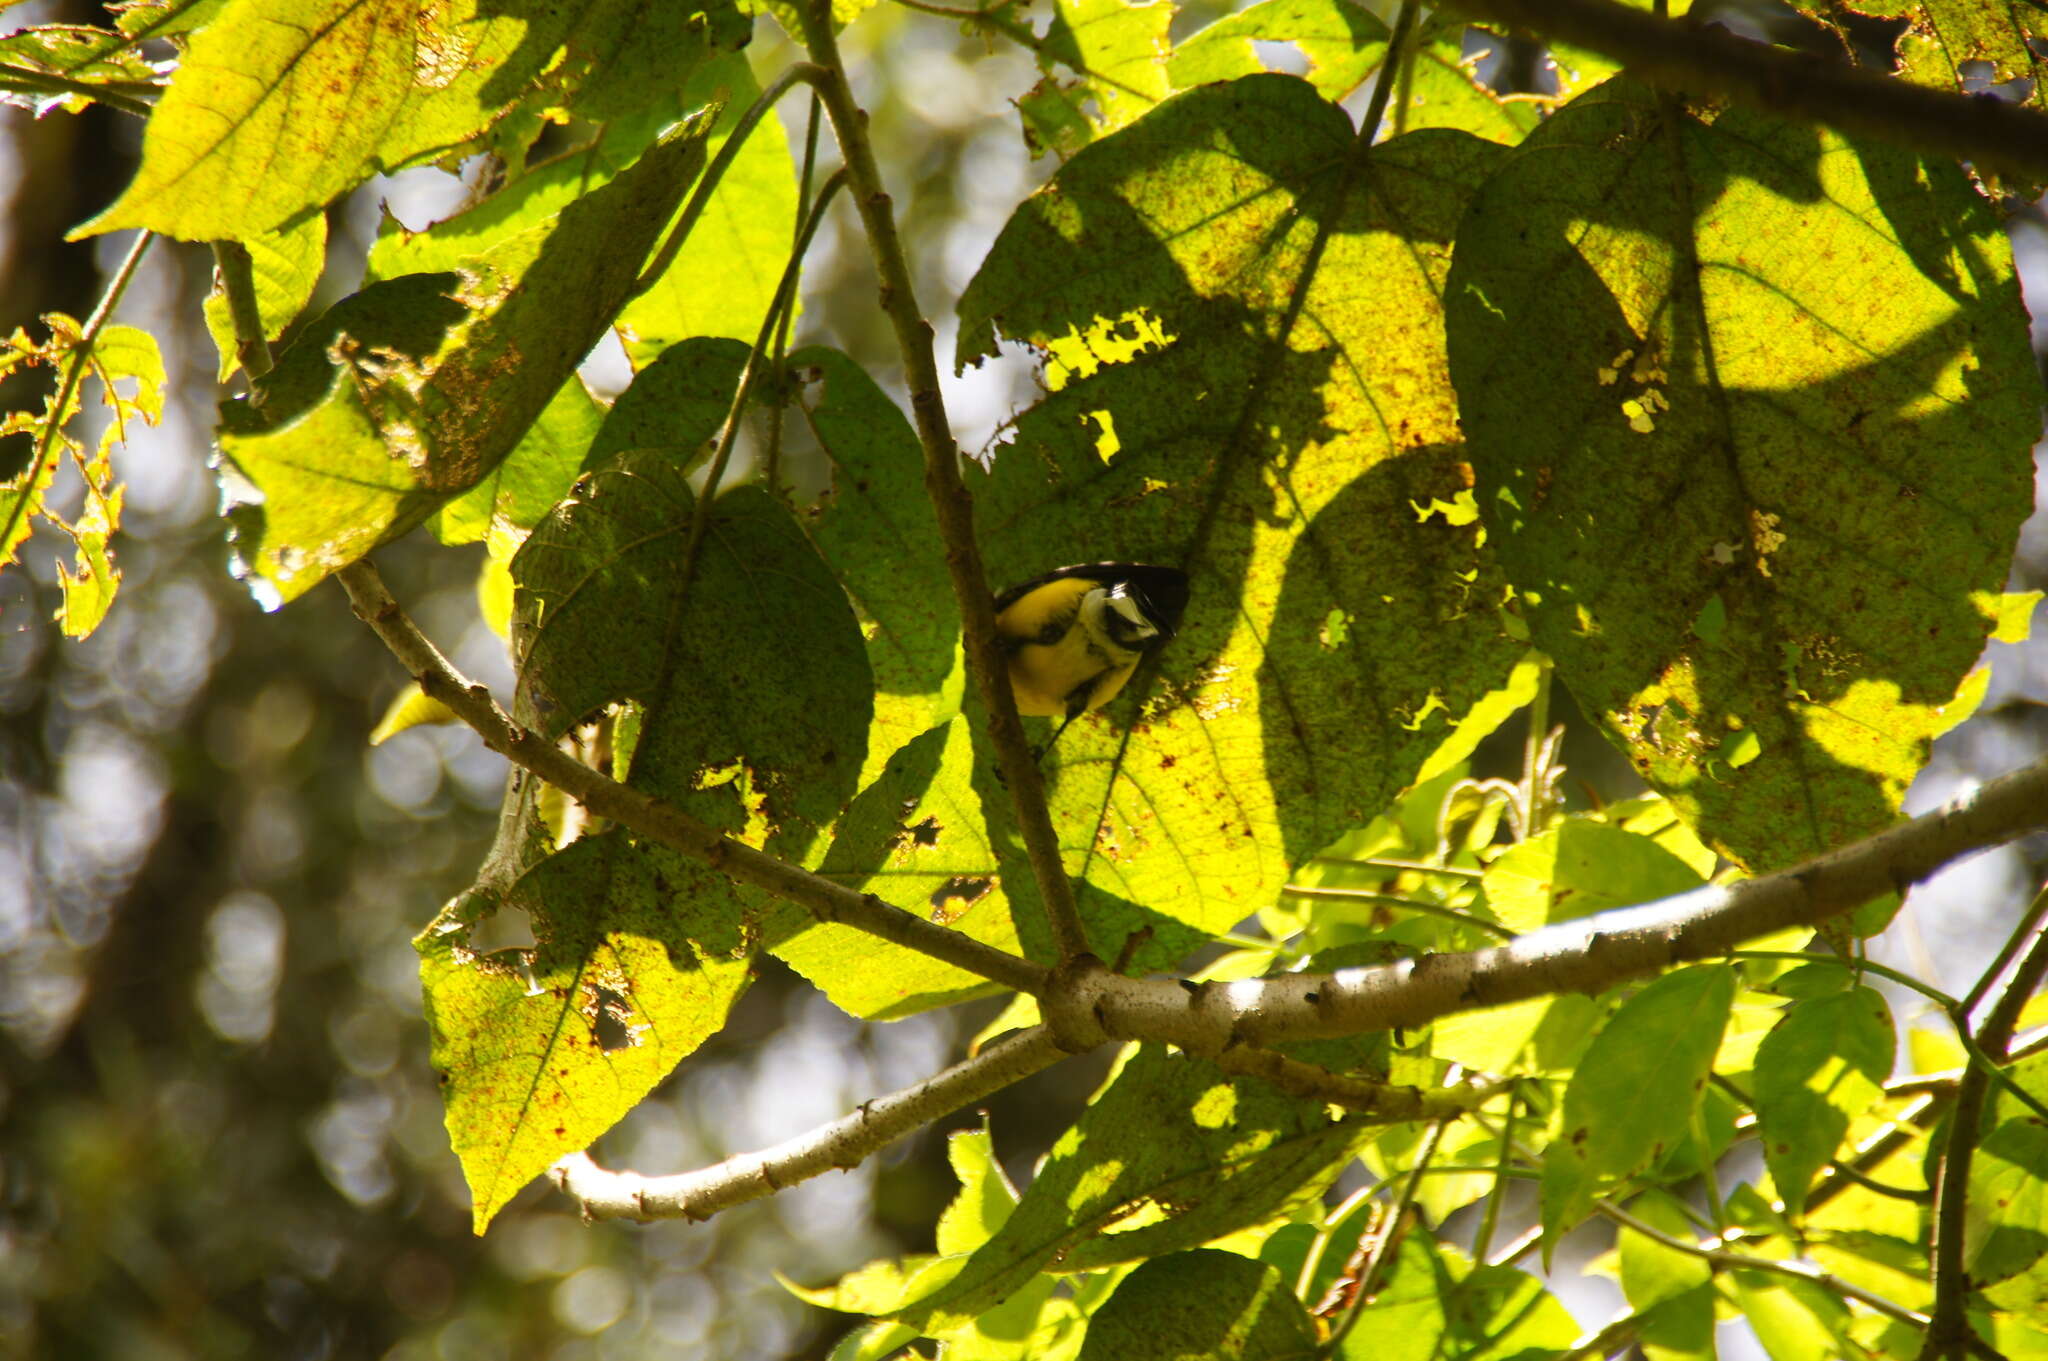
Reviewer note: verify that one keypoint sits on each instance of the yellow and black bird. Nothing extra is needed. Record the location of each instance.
(1075, 635)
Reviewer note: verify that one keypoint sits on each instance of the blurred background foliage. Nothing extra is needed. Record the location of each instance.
(219, 1134)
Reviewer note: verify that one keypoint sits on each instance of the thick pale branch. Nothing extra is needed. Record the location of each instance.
(842, 1144)
(1579, 956)
(1701, 59)
(1384, 1102)
(949, 495)
(662, 822)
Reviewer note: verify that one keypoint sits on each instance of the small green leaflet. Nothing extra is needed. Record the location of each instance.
(1821, 1068)
(1632, 1097)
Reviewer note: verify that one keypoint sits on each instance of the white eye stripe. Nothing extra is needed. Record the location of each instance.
(1128, 608)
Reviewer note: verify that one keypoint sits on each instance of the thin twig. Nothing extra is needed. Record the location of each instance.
(728, 434)
(122, 95)
(1360, 895)
(950, 499)
(1535, 743)
(1706, 60)
(771, 471)
(1489, 1220)
(1737, 1261)
(663, 822)
(1949, 1333)
(1375, 1273)
(714, 173)
(238, 282)
(1381, 862)
(844, 1143)
(2021, 933)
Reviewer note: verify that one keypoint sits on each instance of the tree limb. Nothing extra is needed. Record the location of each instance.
(1705, 60)
(842, 1144)
(949, 495)
(651, 817)
(1584, 955)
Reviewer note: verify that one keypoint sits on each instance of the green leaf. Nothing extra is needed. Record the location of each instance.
(1343, 42)
(1795, 1320)
(1436, 1304)
(2006, 1231)
(1170, 1155)
(749, 673)
(721, 282)
(286, 266)
(1671, 408)
(1155, 274)
(412, 391)
(675, 406)
(282, 106)
(130, 374)
(609, 60)
(1442, 91)
(1820, 1069)
(1943, 38)
(1119, 52)
(639, 956)
(1651, 1273)
(533, 477)
(275, 110)
(986, 1197)
(410, 708)
(1205, 1304)
(1580, 867)
(139, 19)
(1632, 1098)
(1576, 868)
(877, 529)
(916, 838)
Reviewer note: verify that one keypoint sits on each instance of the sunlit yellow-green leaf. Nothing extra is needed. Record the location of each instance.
(916, 838)
(1173, 1153)
(1289, 459)
(412, 392)
(1819, 1070)
(639, 956)
(721, 282)
(275, 110)
(1751, 409)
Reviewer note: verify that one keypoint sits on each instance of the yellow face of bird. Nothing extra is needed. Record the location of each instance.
(1072, 643)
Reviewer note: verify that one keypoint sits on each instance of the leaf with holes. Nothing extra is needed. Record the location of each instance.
(638, 956)
(412, 391)
(744, 668)
(1241, 321)
(914, 838)
(1751, 408)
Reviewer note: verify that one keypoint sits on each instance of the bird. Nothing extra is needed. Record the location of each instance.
(1073, 636)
